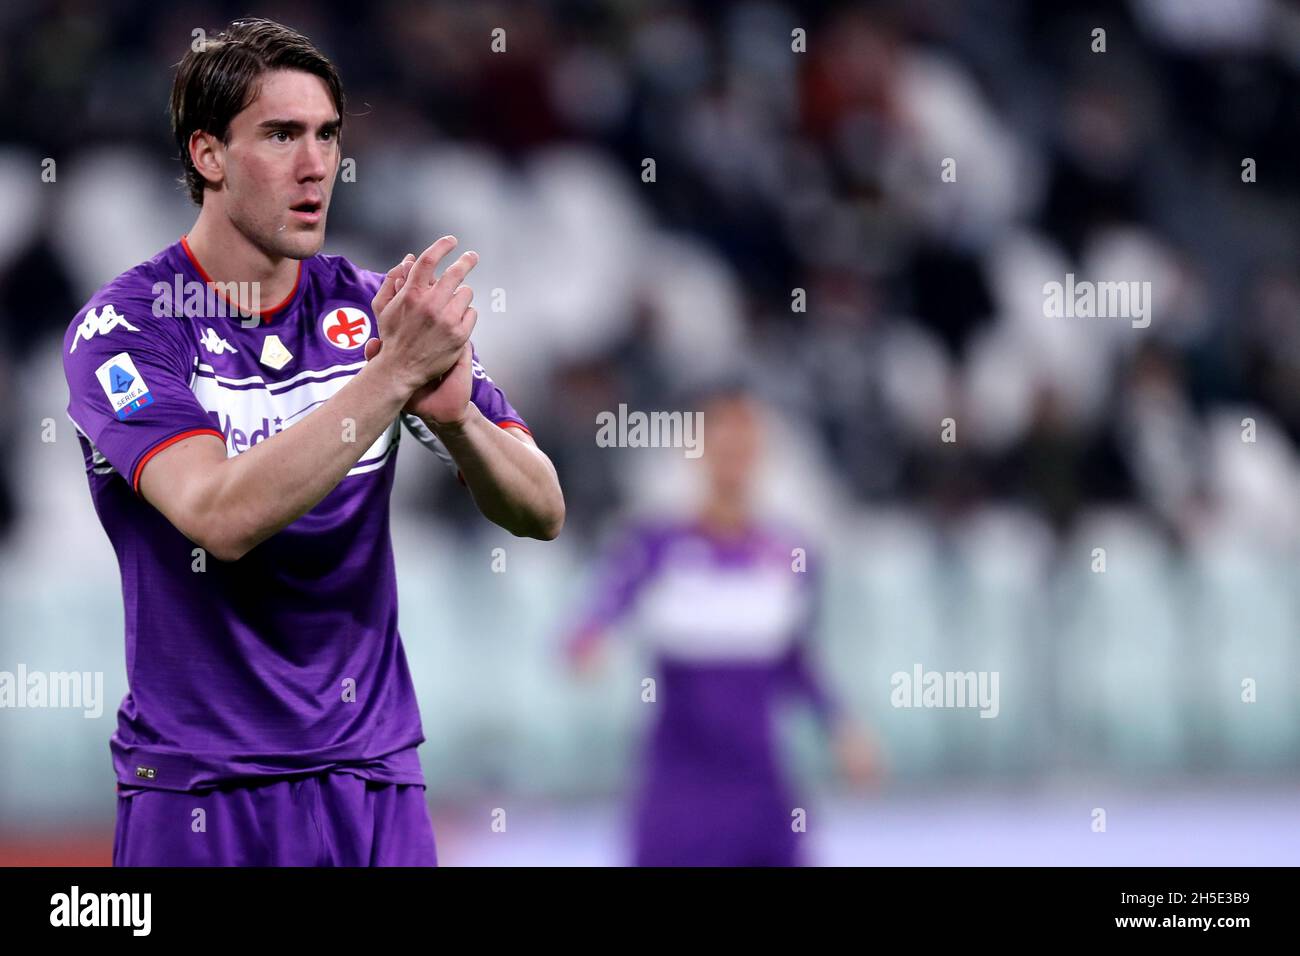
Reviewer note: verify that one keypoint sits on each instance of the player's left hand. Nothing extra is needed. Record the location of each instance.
(858, 755)
(445, 402)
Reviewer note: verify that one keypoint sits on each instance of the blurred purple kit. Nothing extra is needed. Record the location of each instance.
(729, 620)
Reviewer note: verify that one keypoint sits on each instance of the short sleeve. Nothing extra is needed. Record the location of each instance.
(490, 398)
(129, 375)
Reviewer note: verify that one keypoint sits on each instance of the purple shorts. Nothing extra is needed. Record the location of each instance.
(330, 819)
(680, 822)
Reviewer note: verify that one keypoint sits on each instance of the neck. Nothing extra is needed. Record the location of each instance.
(725, 515)
(226, 255)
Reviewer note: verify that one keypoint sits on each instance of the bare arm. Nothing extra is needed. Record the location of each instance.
(512, 481)
(230, 505)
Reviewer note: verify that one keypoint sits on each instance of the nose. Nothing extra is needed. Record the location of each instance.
(312, 164)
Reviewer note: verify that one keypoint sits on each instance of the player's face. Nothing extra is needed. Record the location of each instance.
(281, 163)
(732, 443)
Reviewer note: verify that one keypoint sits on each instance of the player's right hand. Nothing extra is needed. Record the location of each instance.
(425, 320)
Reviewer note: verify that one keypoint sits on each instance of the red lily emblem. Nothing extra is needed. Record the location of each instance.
(345, 331)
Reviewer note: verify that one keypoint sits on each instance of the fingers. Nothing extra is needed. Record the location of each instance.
(464, 357)
(406, 265)
(460, 301)
(422, 273)
(467, 323)
(390, 286)
(451, 280)
(432, 314)
(388, 289)
(372, 348)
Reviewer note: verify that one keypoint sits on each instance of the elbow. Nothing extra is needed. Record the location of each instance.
(544, 527)
(553, 518)
(546, 518)
(229, 553)
(222, 545)
(218, 535)
(545, 524)
(550, 530)
(554, 521)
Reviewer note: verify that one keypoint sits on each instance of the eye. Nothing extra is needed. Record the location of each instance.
(327, 135)
(278, 133)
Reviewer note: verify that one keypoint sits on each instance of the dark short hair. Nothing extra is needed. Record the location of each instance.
(218, 78)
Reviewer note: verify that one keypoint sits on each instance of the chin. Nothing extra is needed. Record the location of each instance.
(302, 246)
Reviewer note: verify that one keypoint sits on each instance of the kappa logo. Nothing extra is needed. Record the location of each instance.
(345, 327)
(100, 322)
(215, 343)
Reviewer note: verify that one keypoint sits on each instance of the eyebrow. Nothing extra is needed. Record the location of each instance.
(298, 126)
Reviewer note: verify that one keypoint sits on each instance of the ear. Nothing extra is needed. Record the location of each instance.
(208, 155)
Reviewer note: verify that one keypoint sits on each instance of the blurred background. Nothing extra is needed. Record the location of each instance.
(1172, 447)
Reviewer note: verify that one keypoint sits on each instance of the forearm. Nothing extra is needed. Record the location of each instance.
(255, 494)
(512, 482)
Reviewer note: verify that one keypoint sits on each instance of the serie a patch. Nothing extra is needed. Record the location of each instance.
(124, 385)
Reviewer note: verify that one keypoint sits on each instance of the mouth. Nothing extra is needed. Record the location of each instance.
(308, 211)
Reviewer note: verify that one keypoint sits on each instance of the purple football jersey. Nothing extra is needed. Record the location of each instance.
(728, 619)
(288, 660)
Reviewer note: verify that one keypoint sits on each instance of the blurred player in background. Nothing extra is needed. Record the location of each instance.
(269, 687)
(728, 605)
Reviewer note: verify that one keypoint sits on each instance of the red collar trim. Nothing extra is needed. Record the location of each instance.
(264, 314)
